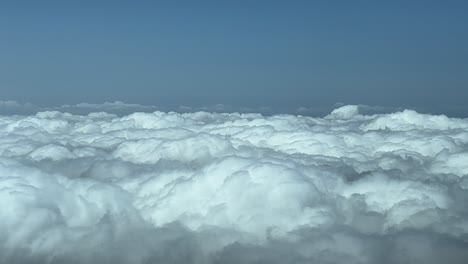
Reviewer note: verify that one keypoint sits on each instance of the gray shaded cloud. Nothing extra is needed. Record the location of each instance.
(13, 107)
(116, 107)
(121, 108)
(233, 188)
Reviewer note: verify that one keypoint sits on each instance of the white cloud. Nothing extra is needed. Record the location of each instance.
(233, 188)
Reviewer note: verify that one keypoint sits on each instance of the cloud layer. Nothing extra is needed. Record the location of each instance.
(233, 188)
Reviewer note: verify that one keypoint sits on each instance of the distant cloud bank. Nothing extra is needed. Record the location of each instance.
(121, 108)
(204, 187)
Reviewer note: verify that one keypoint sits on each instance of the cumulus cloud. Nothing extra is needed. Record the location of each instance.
(166, 187)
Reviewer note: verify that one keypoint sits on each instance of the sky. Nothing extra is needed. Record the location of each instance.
(278, 54)
(212, 132)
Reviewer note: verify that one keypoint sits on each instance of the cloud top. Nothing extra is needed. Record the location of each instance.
(233, 188)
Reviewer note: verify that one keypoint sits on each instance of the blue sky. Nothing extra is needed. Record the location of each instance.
(245, 53)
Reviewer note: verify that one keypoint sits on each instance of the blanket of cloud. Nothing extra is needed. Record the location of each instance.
(233, 188)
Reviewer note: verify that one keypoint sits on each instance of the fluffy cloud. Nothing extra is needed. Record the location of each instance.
(233, 188)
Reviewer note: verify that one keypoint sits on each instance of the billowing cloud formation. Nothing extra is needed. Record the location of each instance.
(233, 188)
